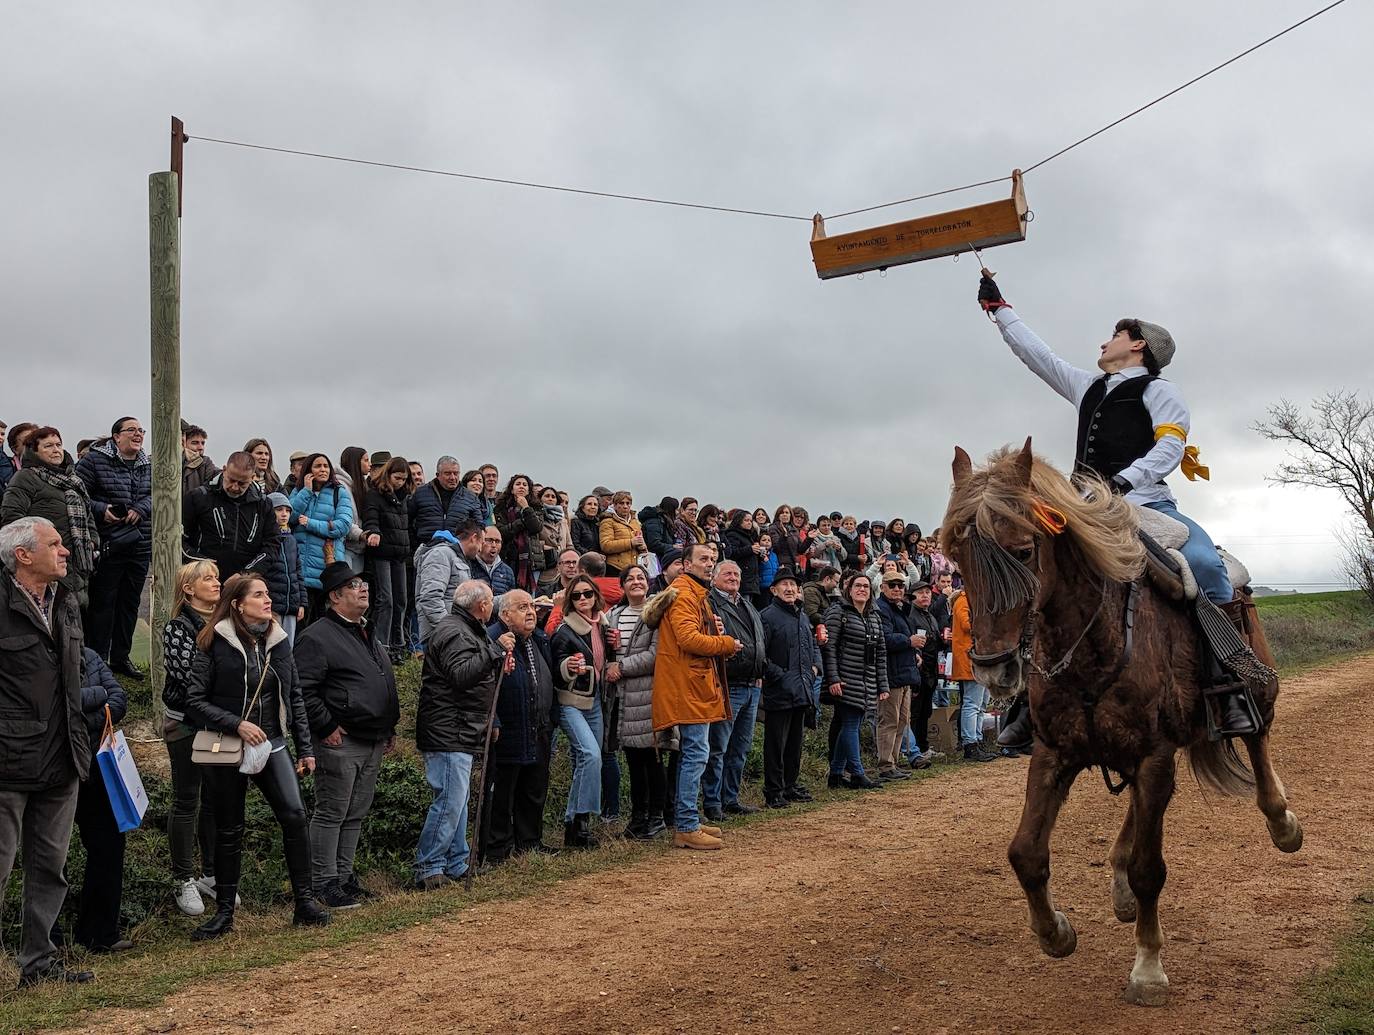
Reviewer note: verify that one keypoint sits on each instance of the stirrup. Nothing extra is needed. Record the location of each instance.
(1217, 701)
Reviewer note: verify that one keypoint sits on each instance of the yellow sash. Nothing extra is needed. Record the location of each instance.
(1191, 467)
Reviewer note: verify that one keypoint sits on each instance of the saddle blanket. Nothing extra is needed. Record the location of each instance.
(1171, 534)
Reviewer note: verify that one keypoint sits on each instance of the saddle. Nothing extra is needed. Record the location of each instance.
(1163, 538)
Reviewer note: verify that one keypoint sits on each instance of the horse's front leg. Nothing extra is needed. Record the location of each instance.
(1284, 829)
(1047, 785)
(1123, 900)
(1154, 787)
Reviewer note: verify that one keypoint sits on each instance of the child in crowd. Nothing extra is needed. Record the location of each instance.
(292, 607)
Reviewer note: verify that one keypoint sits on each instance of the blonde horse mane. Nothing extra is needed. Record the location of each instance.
(995, 498)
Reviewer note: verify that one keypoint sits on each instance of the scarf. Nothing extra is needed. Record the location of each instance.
(83, 531)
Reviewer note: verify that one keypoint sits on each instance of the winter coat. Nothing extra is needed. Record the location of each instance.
(385, 514)
(786, 545)
(520, 528)
(430, 515)
(457, 685)
(850, 542)
(441, 571)
(524, 707)
(238, 533)
(29, 495)
(193, 477)
(939, 607)
(903, 664)
(826, 549)
(329, 514)
(285, 581)
(99, 690)
(741, 622)
(768, 568)
(617, 541)
(574, 636)
(791, 657)
(40, 673)
(110, 479)
(854, 655)
(815, 602)
(179, 652)
(224, 680)
(961, 667)
(499, 576)
(658, 531)
(930, 653)
(346, 680)
(586, 533)
(637, 672)
(554, 538)
(689, 671)
(874, 572)
(739, 547)
(685, 532)
(7, 470)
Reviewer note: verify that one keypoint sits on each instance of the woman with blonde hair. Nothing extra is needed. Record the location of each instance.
(190, 817)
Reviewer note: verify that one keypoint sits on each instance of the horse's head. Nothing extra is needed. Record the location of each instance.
(992, 532)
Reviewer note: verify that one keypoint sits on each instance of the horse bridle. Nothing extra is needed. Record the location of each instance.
(1025, 645)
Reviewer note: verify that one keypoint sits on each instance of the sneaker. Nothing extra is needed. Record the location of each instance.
(354, 888)
(920, 762)
(336, 896)
(893, 774)
(698, 840)
(975, 753)
(207, 889)
(188, 900)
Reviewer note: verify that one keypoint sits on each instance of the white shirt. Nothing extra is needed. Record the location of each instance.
(1163, 401)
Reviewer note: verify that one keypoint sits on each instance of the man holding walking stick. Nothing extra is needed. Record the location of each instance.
(458, 688)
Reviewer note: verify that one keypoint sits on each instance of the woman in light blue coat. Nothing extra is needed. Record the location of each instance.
(321, 515)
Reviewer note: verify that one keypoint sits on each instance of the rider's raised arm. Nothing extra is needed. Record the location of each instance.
(1065, 378)
(1169, 415)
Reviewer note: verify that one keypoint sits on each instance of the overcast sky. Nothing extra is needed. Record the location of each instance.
(665, 350)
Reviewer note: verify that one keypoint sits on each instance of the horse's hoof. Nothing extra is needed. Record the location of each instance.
(1063, 941)
(1147, 993)
(1287, 833)
(1123, 899)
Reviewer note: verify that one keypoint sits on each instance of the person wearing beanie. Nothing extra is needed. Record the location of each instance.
(288, 597)
(1133, 429)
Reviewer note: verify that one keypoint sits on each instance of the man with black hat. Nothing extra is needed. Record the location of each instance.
(352, 706)
(1133, 430)
(791, 664)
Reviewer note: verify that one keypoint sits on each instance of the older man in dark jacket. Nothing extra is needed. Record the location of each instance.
(791, 664)
(443, 504)
(350, 699)
(731, 738)
(232, 523)
(904, 643)
(462, 669)
(46, 747)
(119, 478)
(518, 775)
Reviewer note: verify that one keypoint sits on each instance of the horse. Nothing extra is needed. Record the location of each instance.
(1061, 607)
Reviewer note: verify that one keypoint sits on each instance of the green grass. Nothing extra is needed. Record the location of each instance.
(1307, 629)
(1339, 1000)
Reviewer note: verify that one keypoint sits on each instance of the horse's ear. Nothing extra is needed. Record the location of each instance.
(1025, 460)
(963, 466)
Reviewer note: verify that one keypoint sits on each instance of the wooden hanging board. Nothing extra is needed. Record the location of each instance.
(929, 237)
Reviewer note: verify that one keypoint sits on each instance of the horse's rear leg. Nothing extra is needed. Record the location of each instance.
(1284, 829)
(1046, 786)
(1123, 899)
(1154, 786)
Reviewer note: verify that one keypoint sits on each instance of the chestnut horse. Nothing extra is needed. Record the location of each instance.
(1060, 606)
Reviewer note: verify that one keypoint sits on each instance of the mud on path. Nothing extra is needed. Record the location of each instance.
(895, 912)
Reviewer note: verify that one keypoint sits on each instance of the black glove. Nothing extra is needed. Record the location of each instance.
(1121, 486)
(989, 295)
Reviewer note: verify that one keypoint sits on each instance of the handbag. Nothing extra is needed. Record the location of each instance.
(128, 799)
(212, 747)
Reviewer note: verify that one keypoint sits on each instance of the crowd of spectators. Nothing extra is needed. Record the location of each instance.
(660, 634)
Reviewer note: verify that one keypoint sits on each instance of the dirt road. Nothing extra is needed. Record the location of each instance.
(897, 912)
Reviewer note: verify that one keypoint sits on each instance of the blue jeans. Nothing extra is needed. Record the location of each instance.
(1201, 554)
(583, 730)
(846, 753)
(610, 786)
(443, 844)
(940, 699)
(909, 748)
(973, 698)
(730, 740)
(695, 739)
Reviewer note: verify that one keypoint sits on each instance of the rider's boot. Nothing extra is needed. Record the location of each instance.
(1016, 732)
(1232, 717)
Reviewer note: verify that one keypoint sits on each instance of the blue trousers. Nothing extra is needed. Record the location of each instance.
(583, 730)
(693, 737)
(1201, 554)
(730, 740)
(846, 752)
(443, 844)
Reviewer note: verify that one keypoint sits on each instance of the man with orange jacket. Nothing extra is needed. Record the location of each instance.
(689, 686)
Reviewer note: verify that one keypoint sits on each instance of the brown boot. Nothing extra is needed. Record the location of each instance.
(710, 831)
(698, 839)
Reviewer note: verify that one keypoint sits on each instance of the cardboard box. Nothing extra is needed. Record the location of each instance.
(944, 730)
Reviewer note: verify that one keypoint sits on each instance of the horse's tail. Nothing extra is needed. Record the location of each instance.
(1217, 767)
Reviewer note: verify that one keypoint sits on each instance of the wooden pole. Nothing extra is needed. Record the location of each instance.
(164, 267)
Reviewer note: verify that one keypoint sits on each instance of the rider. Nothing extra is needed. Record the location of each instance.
(1132, 431)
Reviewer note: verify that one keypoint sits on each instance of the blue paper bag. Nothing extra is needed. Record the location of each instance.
(128, 799)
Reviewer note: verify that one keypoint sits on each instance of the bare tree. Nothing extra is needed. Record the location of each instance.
(1333, 448)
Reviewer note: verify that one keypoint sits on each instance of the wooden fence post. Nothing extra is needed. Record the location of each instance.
(164, 266)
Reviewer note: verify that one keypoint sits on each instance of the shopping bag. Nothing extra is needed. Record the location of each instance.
(649, 562)
(128, 799)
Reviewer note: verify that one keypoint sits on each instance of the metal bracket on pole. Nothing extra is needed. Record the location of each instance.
(179, 137)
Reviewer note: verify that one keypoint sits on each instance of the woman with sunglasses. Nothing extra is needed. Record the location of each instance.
(583, 651)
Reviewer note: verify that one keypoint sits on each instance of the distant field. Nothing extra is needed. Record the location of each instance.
(1307, 628)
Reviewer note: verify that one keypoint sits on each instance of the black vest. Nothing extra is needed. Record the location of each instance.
(1114, 429)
